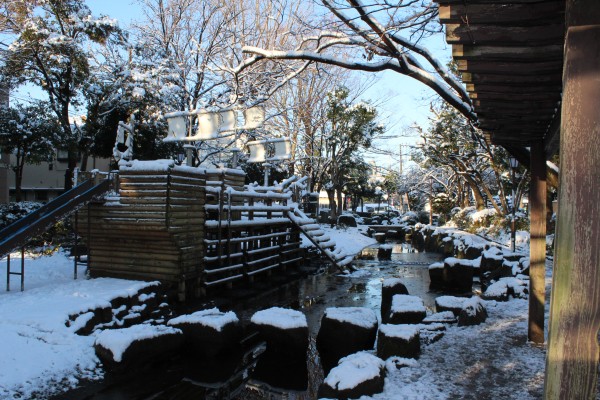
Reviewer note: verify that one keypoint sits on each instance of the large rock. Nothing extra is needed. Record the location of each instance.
(380, 237)
(347, 220)
(398, 340)
(407, 309)
(136, 345)
(284, 330)
(359, 327)
(505, 287)
(359, 374)
(209, 333)
(473, 312)
(459, 274)
(437, 275)
(384, 252)
(389, 288)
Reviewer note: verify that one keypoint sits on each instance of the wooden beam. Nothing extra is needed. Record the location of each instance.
(497, 88)
(528, 107)
(537, 244)
(507, 53)
(511, 96)
(505, 35)
(532, 67)
(516, 80)
(502, 14)
(572, 355)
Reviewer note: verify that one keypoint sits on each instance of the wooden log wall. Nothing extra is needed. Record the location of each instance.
(194, 228)
(153, 229)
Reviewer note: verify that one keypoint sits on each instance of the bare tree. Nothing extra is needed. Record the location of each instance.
(374, 37)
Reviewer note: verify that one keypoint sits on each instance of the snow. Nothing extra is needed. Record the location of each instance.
(282, 318)
(358, 316)
(391, 282)
(38, 349)
(212, 318)
(154, 165)
(404, 332)
(119, 340)
(407, 303)
(452, 262)
(471, 305)
(450, 301)
(353, 370)
(437, 265)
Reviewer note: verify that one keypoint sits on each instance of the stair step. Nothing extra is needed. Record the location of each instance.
(311, 227)
(328, 244)
(317, 233)
(321, 239)
(345, 261)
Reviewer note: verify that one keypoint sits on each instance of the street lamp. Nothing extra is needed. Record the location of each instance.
(513, 167)
(378, 193)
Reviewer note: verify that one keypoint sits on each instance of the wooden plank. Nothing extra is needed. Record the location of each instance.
(532, 67)
(149, 264)
(507, 53)
(497, 88)
(505, 35)
(520, 105)
(572, 355)
(512, 80)
(487, 2)
(511, 96)
(502, 13)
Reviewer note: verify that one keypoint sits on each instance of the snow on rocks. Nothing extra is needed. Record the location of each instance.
(407, 309)
(136, 344)
(384, 252)
(444, 317)
(389, 288)
(505, 287)
(398, 340)
(284, 330)
(359, 374)
(472, 313)
(450, 303)
(210, 332)
(359, 327)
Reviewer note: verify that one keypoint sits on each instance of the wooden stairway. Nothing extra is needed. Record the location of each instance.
(322, 242)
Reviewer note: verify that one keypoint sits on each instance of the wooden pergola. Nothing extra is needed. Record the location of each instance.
(532, 70)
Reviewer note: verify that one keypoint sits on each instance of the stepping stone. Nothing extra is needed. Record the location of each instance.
(398, 340)
(407, 309)
(359, 327)
(380, 237)
(459, 274)
(473, 312)
(210, 332)
(389, 288)
(450, 303)
(119, 348)
(436, 275)
(385, 252)
(444, 317)
(284, 330)
(359, 374)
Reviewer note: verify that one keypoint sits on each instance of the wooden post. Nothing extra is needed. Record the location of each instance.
(537, 246)
(572, 357)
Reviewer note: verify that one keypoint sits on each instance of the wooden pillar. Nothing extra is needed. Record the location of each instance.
(537, 257)
(572, 357)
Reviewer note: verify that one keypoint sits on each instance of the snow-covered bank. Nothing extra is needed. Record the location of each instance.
(39, 352)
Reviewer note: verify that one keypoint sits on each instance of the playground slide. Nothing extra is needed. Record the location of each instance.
(21, 231)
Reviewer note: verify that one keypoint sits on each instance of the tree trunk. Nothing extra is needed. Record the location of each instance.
(18, 180)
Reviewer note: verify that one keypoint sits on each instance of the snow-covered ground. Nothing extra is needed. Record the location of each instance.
(350, 240)
(39, 352)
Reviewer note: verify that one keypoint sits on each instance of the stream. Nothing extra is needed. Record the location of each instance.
(239, 377)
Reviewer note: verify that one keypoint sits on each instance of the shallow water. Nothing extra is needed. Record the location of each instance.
(236, 377)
